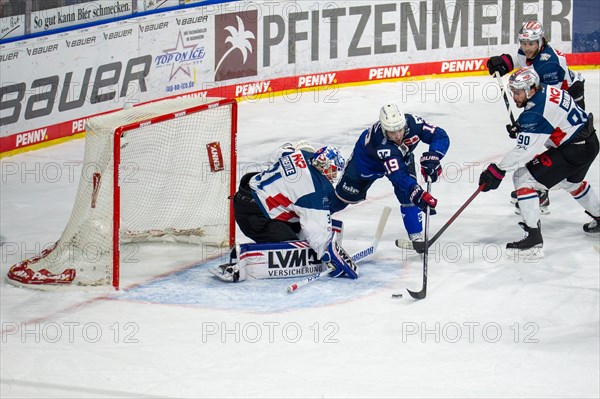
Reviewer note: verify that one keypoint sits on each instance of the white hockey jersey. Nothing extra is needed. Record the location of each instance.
(551, 66)
(291, 190)
(550, 119)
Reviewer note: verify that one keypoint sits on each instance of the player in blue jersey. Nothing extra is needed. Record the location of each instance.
(290, 201)
(386, 149)
(550, 65)
(562, 135)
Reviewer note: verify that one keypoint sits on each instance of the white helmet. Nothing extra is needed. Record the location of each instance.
(532, 31)
(524, 79)
(391, 118)
(329, 161)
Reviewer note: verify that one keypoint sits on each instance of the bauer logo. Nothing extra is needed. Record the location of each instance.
(215, 157)
(235, 45)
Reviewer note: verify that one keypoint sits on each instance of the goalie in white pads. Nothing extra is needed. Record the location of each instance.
(553, 126)
(285, 210)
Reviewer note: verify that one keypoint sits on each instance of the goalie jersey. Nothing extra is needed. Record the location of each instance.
(292, 190)
(550, 119)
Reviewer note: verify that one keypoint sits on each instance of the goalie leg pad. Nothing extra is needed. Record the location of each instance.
(271, 260)
(340, 261)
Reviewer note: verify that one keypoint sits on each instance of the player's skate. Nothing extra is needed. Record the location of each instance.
(417, 241)
(592, 228)
(530, 246)
(544, 202)
(227, 272)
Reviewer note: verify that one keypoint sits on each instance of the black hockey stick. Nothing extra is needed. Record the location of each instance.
(505, 96)
(419, 246)
(421, 294)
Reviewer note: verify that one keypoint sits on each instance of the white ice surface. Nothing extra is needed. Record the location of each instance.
(489, 327)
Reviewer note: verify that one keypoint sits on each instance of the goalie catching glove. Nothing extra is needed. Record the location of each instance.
(339, 260)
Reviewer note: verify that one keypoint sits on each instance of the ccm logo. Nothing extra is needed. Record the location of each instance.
(215, 157)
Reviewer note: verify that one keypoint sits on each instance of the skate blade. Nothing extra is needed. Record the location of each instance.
(525, 255)
(543, 211)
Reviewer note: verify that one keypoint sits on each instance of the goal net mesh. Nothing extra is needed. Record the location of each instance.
(174, 181)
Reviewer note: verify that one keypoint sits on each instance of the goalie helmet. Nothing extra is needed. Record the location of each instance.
(329, 161)
(391, 118)
(524, 79)
(532, 31)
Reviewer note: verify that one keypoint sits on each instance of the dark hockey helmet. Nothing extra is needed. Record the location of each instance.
(329, 161)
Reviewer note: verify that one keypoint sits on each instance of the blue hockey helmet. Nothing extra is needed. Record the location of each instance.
(329, 161)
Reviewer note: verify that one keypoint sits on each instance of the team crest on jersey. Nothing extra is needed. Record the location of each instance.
(384, 153)
(288, 166)
(544, 57)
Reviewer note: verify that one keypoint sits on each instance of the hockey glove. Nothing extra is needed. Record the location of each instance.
(513, 130)
(502, 64)
(491, 177)
(422, 199)
(340, 261)
(430, 166)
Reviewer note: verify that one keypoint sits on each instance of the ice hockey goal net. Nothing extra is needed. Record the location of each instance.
(160, 171)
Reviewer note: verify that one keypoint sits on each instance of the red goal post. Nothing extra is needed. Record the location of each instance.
(157, 172)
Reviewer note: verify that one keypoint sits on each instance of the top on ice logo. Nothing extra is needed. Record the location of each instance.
(235, 45)
(180, 57)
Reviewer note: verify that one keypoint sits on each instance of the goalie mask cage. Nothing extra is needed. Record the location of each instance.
(158, 172)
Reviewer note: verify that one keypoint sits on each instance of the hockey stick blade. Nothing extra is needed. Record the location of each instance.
(419, 294)
(357, 257)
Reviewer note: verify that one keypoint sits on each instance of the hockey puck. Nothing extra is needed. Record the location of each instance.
(396, 295)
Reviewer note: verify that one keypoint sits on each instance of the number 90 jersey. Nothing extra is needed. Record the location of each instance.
(550, 119)
(292, 190)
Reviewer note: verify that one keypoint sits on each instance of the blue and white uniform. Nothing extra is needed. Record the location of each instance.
(555, 149)
(375, 156)
(550, 119)
(291, 191)
(551, 66)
